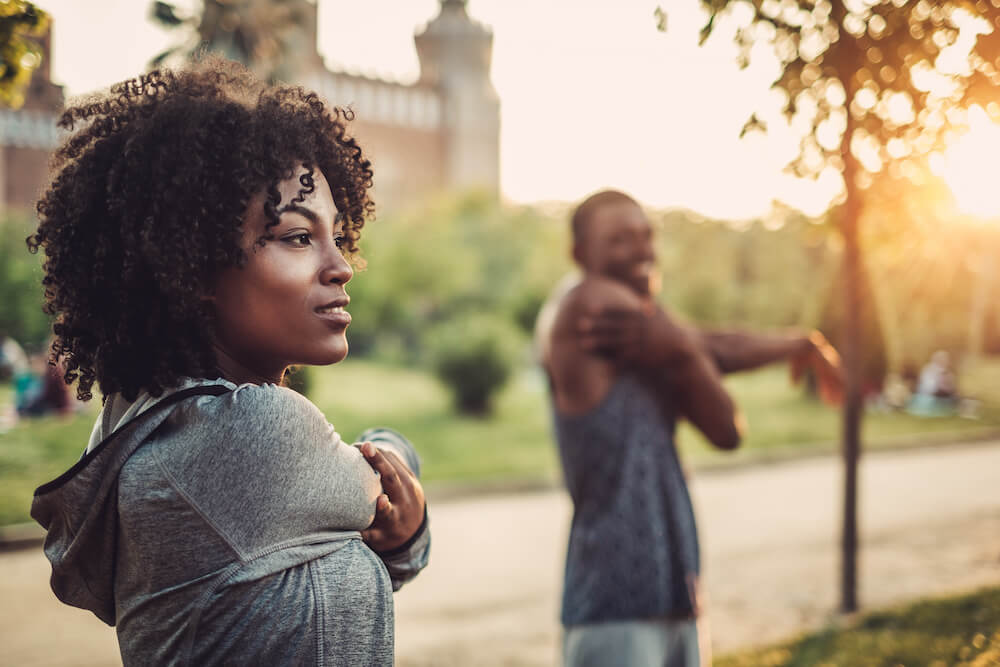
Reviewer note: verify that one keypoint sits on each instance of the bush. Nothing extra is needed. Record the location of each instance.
(474, 355)
(457, 254)
(21, 294)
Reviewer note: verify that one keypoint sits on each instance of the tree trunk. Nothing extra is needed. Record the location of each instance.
(851, 436)
(846, 63)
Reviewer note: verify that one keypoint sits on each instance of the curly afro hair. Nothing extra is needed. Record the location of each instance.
(146, 204)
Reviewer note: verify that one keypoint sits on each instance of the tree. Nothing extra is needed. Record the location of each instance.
(264, 35)
(876, 84)
(20, 54)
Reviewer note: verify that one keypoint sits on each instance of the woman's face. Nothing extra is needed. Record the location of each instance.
(286, 305)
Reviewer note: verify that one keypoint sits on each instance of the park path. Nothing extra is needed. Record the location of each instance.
(930, 525)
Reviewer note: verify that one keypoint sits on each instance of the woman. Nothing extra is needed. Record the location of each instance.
(199, 230)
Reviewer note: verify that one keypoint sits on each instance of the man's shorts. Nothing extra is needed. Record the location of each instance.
(639, 643)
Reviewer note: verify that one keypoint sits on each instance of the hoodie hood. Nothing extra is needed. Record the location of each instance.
(79, 509)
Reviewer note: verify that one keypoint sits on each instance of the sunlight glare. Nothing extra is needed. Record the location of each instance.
(967, 166)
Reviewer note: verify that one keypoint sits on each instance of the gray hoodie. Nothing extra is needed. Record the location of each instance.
(223, 529)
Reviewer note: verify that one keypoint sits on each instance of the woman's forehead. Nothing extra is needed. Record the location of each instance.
(319, 199)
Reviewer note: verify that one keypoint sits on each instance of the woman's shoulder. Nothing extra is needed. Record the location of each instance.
(267, 410)
(272, 397)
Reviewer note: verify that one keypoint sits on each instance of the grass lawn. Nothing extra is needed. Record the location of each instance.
(783, 422)
(513, 446)
(962, 630)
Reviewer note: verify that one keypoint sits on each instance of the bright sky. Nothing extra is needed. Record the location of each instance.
(592, 94)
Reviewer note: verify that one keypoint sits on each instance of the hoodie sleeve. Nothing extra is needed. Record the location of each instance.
(263, 466)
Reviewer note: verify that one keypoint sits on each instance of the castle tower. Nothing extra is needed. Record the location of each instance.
(455, 54)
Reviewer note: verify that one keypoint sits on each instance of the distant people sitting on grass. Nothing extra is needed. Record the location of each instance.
(13, 360)
(40, 389)
(936, 393)
(13, 364)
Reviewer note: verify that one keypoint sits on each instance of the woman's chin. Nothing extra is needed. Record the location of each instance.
(331, 356)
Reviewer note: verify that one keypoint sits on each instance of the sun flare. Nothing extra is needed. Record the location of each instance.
(967, 166)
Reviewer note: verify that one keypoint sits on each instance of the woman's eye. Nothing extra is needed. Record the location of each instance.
(299, 239)
(340, 241)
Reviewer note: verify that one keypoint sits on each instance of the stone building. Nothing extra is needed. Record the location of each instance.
(439, 133)
(27, 137)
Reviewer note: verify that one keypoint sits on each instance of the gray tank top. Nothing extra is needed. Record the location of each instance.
(633, 545)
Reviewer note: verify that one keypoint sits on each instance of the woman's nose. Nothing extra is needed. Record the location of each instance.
(336, 268)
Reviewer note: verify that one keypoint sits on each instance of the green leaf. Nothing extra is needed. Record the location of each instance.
(166, 15)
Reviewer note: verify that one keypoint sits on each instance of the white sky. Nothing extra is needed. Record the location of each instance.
(592, 95)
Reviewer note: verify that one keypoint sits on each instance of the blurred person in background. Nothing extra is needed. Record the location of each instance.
(41, 389)
(936, 393)
(13, 360)
(13, 367)
(199, 232)
(622, 371)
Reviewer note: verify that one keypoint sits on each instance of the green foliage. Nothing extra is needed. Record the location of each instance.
(865, 83)
(474, 355)
(926, 263)
(20, 54)
(264, 35)
(864, 63)
(457, 255)
(21, 293)
(299, 378)
(962, 630)
(752, 275)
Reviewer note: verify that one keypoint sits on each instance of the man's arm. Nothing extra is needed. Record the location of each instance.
(733, 352)
(640, 335)
(684, 369)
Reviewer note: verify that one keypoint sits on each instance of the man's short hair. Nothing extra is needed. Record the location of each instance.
(587, 207)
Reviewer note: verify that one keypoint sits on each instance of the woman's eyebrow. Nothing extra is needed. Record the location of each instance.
(304, 211)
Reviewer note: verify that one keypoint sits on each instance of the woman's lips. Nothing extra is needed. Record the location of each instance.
(334, 315)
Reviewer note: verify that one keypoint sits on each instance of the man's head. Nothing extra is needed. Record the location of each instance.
(613, 238)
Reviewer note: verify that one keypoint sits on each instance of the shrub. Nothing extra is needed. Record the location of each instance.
(21, 315)
(474, 355)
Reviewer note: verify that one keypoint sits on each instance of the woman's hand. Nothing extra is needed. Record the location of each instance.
(399, 510)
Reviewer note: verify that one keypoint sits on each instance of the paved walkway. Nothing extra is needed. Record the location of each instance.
(930, 525)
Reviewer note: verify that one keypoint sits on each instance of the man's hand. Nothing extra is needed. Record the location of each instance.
(822, 359)
(399, 510)
(645, 334)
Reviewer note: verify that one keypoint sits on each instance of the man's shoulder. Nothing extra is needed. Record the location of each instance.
(596, 293)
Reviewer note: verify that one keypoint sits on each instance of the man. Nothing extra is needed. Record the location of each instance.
(622, 371)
